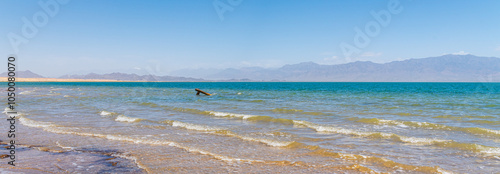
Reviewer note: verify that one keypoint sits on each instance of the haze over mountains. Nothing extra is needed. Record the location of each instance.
(131, 77)
(23, 74)
(446, 68)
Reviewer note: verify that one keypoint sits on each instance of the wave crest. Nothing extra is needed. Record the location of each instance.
(123, 118)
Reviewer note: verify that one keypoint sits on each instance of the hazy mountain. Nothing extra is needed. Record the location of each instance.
(446, 68)
(131, 77)
(195, 73)
(253, 73)
(23, 74)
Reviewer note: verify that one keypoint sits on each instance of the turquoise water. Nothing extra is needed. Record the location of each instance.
(272, 127)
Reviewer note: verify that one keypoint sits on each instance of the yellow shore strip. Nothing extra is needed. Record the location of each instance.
(4, 79)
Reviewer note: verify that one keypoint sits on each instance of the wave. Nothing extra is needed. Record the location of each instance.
(483, 122)
(295, 111)
(57, 89)
(381, 135)
(26, 92)
(226, 114)
(70, 96)
(388, 113)
(222, 114)
(287, 111)
(32, 123)
(64, 147)
(432, 126)
(461, 119)
(220, 131)
(175, 144)
(50, 127)
(18, 114)
(204, 128)
(487, 150)
(133, 158)
(7, 109)
(106, 113)
(191, 126)
(379, 161)
(123, 118)
(256, 118)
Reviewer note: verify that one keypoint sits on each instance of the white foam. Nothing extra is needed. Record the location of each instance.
(490, 151)
(56, 89)
(64, 147)
(26, 92)
(174, 144)
(32, 123)
(204, 128)
(397, 123)
(267, 141)
(7, 109)
(411, 140)
(133, 158)
(194, 126)
(226, 114)
(55, 129)
(491, 131)
(321, 128)
(403, 124)
(123, 118)
(106, 113)
(442, 171)
(422, 141)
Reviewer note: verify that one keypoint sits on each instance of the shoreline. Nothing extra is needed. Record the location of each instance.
(40, 157)
(60, 159)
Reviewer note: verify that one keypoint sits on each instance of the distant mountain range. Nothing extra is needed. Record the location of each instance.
(23, 74)
(131, 77)
(446, 68)
(111, 76)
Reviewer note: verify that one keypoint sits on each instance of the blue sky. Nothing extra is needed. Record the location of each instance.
(162, 36)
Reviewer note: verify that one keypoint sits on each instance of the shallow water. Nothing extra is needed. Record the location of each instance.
(271, 127)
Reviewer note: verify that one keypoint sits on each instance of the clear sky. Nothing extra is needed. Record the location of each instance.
(160, 36)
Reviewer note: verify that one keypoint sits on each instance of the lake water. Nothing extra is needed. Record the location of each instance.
(262, 127)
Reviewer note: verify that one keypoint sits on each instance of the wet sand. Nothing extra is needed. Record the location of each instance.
(39, 159)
